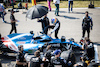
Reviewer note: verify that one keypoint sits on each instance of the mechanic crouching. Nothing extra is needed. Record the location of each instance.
(47, 56)
(20, 60)
(57, 61)
(36, 61)
(88, 48)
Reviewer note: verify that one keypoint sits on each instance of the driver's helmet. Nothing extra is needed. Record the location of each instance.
(53, 20)
(72, 39)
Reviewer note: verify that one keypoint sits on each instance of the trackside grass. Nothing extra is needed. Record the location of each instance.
(64, 4)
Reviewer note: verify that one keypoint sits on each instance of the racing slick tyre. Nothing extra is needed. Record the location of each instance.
(69, 56)
(90, 52)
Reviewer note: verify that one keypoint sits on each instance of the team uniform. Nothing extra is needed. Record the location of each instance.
(58, 62)
(35, 62)
(45, 22)
(20, 58)
(86, 24)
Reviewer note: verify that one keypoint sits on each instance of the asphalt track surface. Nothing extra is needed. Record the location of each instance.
(70, 27)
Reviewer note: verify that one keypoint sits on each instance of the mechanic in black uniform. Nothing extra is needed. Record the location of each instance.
(13, 22)
(36, 61)
(88, 48)
(86, 42)
(57, 60)
(45, 22)
(47, 56)
(55, 27)
(20, 60)
(48, 52)
(86, 24)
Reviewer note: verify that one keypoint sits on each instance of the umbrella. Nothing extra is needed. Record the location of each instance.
(36, 11)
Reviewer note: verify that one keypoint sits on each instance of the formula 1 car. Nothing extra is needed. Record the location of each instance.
(11, 42)
(32, 43)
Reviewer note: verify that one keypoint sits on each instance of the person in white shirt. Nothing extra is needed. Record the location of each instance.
(70, 2)
(56, 2)
(1, 11)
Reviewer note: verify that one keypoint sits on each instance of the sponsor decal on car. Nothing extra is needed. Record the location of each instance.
(20, 42)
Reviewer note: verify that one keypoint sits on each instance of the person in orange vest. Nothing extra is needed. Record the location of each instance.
(26, 6)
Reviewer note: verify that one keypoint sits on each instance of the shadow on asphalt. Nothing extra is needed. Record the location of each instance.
(24, 12)
(81, 13)
(62, 11)
(97, 43)
(72, 13)
(68, 17)
(59, 11)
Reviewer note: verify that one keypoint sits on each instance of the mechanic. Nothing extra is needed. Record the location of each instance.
(86, 24)
(36, 61)
(55, 27)
(86, 42)
(45, 22)
(47, 53)
(57, 60)
(20, 60)
(47, 56)
(84, 64)
(88, 48)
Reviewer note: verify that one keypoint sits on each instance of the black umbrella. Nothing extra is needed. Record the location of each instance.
(36, 11)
